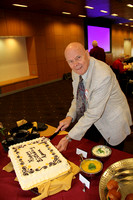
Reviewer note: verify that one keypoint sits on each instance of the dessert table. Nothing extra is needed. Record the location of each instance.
(10, 189)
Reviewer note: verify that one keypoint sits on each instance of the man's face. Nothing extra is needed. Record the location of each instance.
(78, 59)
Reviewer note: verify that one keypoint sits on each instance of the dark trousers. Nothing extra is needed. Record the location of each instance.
(94, 135)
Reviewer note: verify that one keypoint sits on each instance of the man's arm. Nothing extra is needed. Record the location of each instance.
(63, 124)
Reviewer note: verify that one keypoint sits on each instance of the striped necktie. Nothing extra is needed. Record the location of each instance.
(80, 103)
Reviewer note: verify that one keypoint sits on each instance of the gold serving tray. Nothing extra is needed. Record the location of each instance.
(122, 172)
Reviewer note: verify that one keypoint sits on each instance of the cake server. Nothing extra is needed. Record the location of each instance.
(56, 133)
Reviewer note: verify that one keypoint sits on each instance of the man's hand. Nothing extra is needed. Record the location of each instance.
(62, 145)
(63, 124)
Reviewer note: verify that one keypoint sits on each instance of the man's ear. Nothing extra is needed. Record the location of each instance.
(87, 52)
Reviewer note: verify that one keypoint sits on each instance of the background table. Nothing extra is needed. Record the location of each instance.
(10, 189)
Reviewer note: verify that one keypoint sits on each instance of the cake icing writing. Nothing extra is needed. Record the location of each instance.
(35, 161)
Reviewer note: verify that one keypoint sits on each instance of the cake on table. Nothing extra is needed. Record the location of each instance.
(37, 161)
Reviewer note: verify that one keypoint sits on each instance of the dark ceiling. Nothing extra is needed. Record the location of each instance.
(76, 7)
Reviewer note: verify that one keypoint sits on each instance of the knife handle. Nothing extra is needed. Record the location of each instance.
(56, 133)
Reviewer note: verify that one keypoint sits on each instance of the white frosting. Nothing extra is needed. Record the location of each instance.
(35, 161)
(101, 151)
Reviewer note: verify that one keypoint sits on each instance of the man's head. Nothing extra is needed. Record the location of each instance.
(77, 57)
(94, 43)
(122, 57)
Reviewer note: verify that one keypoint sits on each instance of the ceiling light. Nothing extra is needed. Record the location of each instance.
(114, 14)
(103, 11)
(82, 15)
(19, 5)
(120, 23)
(66, 13)
(89, 7)
(131, 26)
(131, 19)
(126, 24)
(130, 5)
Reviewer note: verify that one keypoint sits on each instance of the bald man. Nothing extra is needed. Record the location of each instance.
(97, 52)
(106, 106)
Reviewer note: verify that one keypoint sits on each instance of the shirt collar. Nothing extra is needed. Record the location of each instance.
(84, 76)
(91, 63)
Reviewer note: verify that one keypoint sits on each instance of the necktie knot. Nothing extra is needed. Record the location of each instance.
(80, 78)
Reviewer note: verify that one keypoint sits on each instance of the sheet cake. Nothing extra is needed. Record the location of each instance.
(37, 161)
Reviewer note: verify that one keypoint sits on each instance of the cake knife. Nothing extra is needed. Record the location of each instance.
(56, 133)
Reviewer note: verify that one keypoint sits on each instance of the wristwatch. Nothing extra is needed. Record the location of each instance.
(68, 138)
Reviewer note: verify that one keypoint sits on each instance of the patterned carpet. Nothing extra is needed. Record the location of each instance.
(47, 103)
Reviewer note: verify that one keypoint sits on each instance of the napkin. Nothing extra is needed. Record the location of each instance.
(21, 122)
(54, 186)
(8, 167)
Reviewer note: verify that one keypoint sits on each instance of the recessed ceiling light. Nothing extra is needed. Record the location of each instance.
(126, 24)
(131, 26)
(66, 13)
(120, 23)
(103, 11)
(130, 5)
(131, 19)
(114, 14)
(82, 15)
(19, 5)
(89, 7)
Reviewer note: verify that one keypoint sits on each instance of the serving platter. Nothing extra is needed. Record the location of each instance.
(122, 172)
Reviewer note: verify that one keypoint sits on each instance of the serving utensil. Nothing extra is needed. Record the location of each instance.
(56, 133)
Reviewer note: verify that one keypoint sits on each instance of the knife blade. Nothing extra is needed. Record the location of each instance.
(56, 133)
